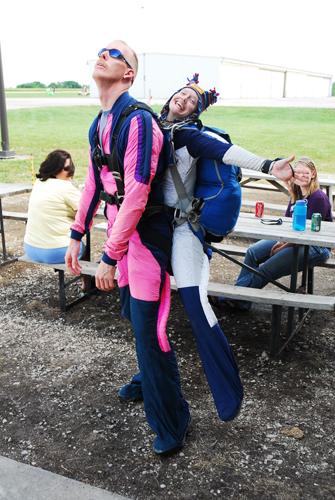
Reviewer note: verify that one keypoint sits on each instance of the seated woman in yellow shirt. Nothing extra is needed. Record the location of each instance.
(52, 207)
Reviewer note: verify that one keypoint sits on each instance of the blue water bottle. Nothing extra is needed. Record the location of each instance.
(299, 215)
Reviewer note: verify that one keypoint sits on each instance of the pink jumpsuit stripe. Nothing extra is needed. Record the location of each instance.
(163, 314)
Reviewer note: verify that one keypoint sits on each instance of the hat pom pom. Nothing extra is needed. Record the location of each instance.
(194, 79)
(213, 95)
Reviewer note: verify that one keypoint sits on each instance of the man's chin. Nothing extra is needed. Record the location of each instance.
(99, 75)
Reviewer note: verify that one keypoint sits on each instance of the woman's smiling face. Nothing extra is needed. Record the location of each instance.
(182, 104)
(302, 175)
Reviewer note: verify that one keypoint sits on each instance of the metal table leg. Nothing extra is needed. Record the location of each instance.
(2, 230)
(275, 329)
(310, 280)
(304, 278)
(293, 288)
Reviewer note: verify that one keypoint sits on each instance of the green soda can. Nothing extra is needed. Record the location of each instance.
(316, 222)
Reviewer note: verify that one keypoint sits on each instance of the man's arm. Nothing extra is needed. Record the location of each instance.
(141, 156)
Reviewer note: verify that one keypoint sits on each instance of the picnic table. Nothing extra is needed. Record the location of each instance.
(251, 177)
(5, 191)
(251, 227)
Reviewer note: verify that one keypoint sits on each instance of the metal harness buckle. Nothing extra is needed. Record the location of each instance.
(193, 217)
(119, 198)
(177, 214)
(117, 175)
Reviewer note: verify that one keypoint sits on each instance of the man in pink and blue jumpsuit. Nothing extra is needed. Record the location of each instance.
(139, 246)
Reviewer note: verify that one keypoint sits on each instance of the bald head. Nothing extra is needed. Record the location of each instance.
(128, 53)
(131, 56)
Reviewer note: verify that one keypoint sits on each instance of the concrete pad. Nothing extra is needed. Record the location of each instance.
(23, 482)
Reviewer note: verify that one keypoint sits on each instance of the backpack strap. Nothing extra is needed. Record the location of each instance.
(113, 163)
(190, 208)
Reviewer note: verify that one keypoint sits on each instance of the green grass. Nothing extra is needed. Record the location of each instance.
(276, 132)
(269, 132)
(26, 93)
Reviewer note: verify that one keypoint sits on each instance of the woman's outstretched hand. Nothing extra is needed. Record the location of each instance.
(282, 169)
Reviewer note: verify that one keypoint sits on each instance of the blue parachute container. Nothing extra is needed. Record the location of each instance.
(218, 186)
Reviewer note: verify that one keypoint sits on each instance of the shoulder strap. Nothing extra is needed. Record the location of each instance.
(113, 163)
(189, 207)
(220, 132)
(125, 113)
(178, 183)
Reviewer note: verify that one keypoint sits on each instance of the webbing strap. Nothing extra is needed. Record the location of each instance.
(113, 163)
(189, 207)
(184, 200)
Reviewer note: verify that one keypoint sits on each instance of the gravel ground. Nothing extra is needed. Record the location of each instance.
(59, 375)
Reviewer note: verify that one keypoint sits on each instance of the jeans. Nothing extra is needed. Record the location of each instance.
(49, 255)
(276, 266)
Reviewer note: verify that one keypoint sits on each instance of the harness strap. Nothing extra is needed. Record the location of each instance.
(184, 200)
(112, 159)
(114, 167)
(190, 208)
(112, 199)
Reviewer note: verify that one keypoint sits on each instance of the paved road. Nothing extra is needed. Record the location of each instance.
(23, 482)
(40, 102)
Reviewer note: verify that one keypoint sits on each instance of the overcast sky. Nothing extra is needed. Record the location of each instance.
(53, 40)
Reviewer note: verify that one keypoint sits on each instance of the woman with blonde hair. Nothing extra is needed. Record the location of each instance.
(273, 259)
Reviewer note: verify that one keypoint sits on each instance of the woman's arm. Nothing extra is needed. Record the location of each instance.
(200, 145)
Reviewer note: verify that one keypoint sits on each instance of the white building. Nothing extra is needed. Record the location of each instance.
(161, 74)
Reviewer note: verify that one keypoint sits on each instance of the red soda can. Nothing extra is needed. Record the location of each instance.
(259, 209)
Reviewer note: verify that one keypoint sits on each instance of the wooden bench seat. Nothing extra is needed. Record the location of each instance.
(88, 270)
(272, 297)
(15, 215)
(230, 291)
(276, 298)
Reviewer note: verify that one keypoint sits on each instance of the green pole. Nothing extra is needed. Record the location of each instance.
(4, 152)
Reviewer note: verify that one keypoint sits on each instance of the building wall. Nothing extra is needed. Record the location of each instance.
(162, 74)
(305, 85)
(239, 80)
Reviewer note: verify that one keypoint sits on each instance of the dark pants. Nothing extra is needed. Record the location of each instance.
(158, 379)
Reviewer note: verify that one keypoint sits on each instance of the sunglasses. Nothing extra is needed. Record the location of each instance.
(272, 222)
(115, 54)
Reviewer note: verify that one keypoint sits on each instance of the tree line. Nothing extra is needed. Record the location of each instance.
(67, 84)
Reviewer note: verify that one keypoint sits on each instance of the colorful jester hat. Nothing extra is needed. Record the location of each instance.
(205, 97)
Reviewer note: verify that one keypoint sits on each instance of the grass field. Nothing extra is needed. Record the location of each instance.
(26, 93)
(269, 132)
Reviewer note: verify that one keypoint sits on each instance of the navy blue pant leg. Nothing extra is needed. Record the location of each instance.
(166, 410)
(216, 355)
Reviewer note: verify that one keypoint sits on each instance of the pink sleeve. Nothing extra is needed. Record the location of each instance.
(140, 166)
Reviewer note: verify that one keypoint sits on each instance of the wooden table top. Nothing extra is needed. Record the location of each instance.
(249, 226)
(8, 189)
